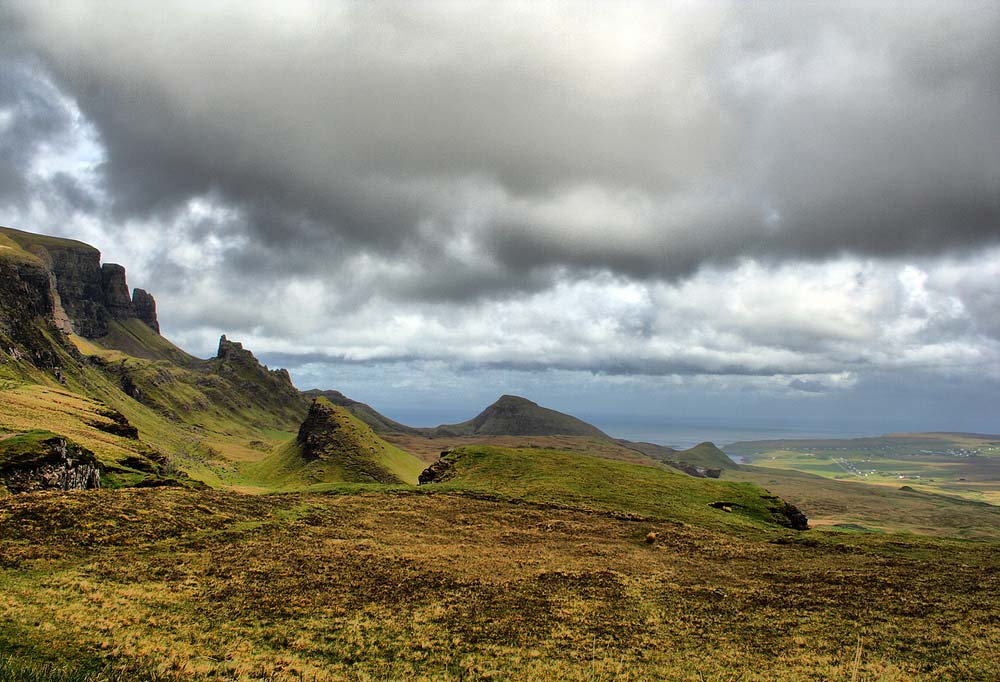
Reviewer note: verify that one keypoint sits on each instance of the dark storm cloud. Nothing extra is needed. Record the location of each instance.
(29, 118)
(698, 134)
(624, 191)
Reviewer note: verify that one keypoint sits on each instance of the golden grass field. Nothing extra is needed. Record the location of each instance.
(399, 585)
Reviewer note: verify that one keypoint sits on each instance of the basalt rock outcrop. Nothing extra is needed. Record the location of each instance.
(144, 307)
(50, 463)
(117, 301)
(24, 297)
(83, 296)
(331, 436)
(239, 366)
(439, 471)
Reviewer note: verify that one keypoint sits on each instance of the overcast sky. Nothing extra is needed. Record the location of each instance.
(722, 211)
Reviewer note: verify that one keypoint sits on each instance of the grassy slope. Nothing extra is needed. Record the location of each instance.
(579, 481)
(12, 250)
(352, 449)
(705, 454)
(429, 448)
(32, 399)
(194, 419)
(439, 586)
(27, 239)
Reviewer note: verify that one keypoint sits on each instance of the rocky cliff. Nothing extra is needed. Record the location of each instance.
(26, 297)
(83, 294)
(239, 366)
(144, 306)
(39, 460)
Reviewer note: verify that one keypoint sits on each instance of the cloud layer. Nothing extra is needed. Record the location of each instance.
(803, 191)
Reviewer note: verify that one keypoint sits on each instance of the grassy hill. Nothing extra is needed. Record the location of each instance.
(379, 423)
(515, 416)
(334, 446)
(703, 456)
(572, 480)
(523, 556)
(148, 411)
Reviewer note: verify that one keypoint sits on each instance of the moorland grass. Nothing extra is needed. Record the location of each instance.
(375, 586)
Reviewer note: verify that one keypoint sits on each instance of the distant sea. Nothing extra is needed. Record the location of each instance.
(676, 432)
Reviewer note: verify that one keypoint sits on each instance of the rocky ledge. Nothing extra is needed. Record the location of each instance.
(42, 461)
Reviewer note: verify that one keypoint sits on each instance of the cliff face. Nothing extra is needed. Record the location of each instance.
(80, 288)
(116, 299)
(144, 306)
(45, 461)
(239, 366)
(26, 296)
(86, 294)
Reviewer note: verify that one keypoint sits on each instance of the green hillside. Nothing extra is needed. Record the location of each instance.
(703, 456)
(334, 446)
(76, 360)
(537, 548)
(378, 422)
(858, 506)
(515, 416)
(572, 480)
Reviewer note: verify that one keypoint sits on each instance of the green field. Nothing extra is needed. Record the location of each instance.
(960, 465)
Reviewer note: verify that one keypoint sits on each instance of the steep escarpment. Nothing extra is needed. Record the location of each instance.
(144, 307)
(26, 306)
(76, 347)
(85, 293)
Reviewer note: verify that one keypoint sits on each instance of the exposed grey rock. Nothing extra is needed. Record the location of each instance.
(436, 473)
(80, 286)
(144, 306)
(116, 298)
(239, 366)
(67, 466)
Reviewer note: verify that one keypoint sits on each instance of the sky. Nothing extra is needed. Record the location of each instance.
(719, 212)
